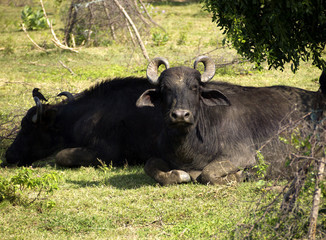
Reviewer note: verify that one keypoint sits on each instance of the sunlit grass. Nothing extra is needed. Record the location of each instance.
(127, 203)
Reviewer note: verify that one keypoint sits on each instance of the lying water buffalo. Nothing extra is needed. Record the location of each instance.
(212, 130)
(101, 123)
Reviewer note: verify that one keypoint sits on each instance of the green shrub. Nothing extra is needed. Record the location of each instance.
(27, 186)
(261, 166)
(33, 20)
(160, 39)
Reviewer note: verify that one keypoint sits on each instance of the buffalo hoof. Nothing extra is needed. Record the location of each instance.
(175, 177)
(219, 173)
(182, 176)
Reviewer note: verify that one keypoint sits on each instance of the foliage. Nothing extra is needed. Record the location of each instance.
(104, 167)
(287, 215)
(26, 186)
(159, 38)
(33, 20)
(277, 31)
(261, 166)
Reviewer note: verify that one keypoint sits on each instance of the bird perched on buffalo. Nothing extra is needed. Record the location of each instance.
(39, 95)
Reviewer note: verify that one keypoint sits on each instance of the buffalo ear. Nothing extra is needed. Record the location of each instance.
(213, 98)
(148, 98)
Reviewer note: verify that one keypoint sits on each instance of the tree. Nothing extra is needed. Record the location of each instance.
(276, 31)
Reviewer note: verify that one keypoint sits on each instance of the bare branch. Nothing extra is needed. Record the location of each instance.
(109, 19)
(55, 40)
(149, 16)
(66, 67)
(130, 32)
(139, 13)
(35, 44)
(316, 201)
(140, 42)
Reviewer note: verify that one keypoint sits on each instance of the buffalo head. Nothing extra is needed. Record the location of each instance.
(38, 136)
(181, 91)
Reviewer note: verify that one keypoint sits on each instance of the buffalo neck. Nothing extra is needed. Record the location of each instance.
(194, 146)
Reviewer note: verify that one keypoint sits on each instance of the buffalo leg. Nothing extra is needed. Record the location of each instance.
(160, 171)
(220, 172)
(76, 157)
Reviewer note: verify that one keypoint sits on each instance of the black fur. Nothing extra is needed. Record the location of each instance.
(102, 122)
(225, 123)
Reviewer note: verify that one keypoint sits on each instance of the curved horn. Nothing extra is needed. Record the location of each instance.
(68, 95)
(209, 65)
(152, 69)
(39, 110)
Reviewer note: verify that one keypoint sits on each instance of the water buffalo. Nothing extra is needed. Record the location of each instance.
(212, 130)
(100, 123)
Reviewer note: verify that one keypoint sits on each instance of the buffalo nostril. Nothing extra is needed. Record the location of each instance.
(174, 115)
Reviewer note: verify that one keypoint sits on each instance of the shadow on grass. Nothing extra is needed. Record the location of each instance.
(131, 181)
(121, 181)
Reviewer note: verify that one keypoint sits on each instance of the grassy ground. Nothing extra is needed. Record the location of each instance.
(126, 204)
(123, 203)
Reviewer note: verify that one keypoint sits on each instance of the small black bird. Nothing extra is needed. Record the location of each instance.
(40, 96)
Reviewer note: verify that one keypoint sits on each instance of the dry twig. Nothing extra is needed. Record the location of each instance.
(66, 67)
(35, 44)
(140, 42)
(316, 201)
(55, 40)
(149, 16)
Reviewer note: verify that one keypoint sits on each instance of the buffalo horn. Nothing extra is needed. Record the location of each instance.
(152, 69)
(69, 96)
(209, 65)
(39, 110)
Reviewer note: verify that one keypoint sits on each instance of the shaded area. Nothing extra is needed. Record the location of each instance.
(120, 181)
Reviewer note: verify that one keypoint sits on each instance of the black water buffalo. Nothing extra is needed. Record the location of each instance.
(100, 123)
(212, 130)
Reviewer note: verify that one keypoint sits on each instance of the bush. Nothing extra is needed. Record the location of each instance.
(160, 38)
(33, 20)
(27, 186)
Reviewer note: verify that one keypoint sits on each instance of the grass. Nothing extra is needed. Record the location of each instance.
(123, 203)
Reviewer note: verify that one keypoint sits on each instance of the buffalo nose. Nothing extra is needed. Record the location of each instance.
(180, 115)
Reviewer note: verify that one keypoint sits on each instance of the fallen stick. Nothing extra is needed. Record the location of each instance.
(36, 45)
(66, 67)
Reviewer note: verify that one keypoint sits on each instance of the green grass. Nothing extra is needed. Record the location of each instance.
(123, 203)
